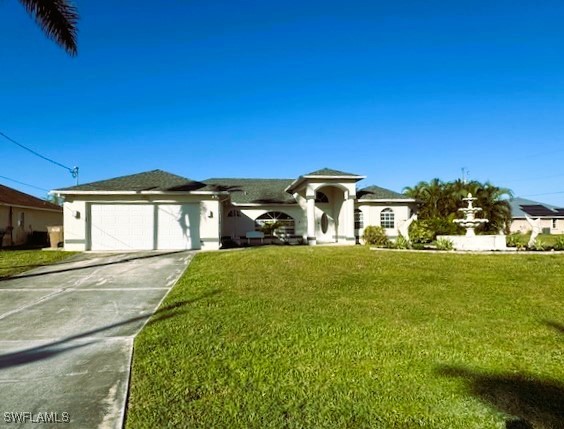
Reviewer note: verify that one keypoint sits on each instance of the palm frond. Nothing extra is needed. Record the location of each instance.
(58, 19)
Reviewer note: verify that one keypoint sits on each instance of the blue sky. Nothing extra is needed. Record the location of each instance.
(397, 91)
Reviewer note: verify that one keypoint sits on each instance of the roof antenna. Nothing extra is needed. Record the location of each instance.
(465, 174)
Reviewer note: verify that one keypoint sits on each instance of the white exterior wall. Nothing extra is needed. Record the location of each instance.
(34, 220)
(235, 227)
(210, 224)
(371, 215)
(521, 225)
(77, 217)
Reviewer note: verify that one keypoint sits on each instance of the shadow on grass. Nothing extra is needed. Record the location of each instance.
(55, 348)
(121, 260)
(559, 327)
(533, 402)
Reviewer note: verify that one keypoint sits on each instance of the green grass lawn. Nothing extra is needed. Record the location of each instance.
(330, 337)
(17, 261)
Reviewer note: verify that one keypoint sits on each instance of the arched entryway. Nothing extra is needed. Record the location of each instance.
(330, 218)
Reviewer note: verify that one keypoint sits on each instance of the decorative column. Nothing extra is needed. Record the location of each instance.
(311, 240)
(348, 206)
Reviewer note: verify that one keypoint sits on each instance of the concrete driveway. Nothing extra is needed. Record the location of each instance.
(66, 336)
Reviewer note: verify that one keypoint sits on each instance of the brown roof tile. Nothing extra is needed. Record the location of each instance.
(12, 197)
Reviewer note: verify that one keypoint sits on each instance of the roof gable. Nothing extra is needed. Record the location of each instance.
(13, 197)
(331, 172)
(155, 180)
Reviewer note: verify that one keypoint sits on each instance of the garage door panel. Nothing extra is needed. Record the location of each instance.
(122, 226)
(178, 226)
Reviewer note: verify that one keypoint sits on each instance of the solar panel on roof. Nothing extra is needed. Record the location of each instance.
(537, 210)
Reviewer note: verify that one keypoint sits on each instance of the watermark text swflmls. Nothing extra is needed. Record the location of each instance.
(41, 417)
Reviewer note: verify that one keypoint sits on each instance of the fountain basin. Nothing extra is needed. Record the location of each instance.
(476, 242)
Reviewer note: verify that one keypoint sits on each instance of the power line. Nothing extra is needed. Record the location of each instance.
(25, 184)
(546, 193)
(73, 171)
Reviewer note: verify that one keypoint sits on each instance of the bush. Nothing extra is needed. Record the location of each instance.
(420, 232)
(375, 236)
(559, 243)
(516, 240)
(444, 244)
(402, 243)
(539, 245)
(425, 231)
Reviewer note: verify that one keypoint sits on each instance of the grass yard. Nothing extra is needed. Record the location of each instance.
(17, 261)
(330, 337)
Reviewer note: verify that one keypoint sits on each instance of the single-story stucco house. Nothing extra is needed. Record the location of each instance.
(22, 215)
(552, 218)
(157, 210)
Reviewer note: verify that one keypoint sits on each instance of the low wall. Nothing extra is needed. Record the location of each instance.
(477, 242)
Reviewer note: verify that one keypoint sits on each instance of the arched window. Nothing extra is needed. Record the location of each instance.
(321, 197)
(358, 219)
(287, 223)
(234, 213)
(387, 218)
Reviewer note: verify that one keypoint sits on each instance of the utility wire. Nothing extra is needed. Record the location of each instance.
(25, 184)
(73, 171)
(546, 193)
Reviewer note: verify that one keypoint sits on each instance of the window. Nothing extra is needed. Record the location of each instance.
(287, 223)
(234, 213)
(320, 197)
(324, 223)
(387, 218)
(358, 219)
(553, 223)
(21, 221)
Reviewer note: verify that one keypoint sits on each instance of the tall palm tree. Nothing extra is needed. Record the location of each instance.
(57, 18)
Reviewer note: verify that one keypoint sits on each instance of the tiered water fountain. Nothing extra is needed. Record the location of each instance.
(471, 241)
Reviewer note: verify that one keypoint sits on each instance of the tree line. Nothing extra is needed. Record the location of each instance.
(439, 202)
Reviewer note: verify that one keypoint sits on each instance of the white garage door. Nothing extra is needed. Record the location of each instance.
(122, 226)
(178, 226)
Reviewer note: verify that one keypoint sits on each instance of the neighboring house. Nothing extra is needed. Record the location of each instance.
(552, 218)
(22, 214)
(160, 210)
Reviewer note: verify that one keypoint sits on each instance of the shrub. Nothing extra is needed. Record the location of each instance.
(559, 243)
(426, 230)
(375, 236)
(444, 244)
(516, 240)
(539, 245)
(402, 243)
(420, 232)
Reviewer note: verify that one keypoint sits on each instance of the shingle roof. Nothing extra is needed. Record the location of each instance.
(377, 193)
(13, 197)
(155, 180)
(330, 172)
(522, 206)
(253, 191)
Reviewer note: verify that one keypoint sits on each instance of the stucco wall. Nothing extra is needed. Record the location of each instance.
(235, 227)
(521, 225)
(371, 215)
(77, 214)
(33, 220)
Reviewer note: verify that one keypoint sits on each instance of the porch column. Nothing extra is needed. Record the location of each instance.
(348, 206)
(311, 240)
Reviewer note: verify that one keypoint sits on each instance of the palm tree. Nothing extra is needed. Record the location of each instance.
(439, 202)
(57, 18)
